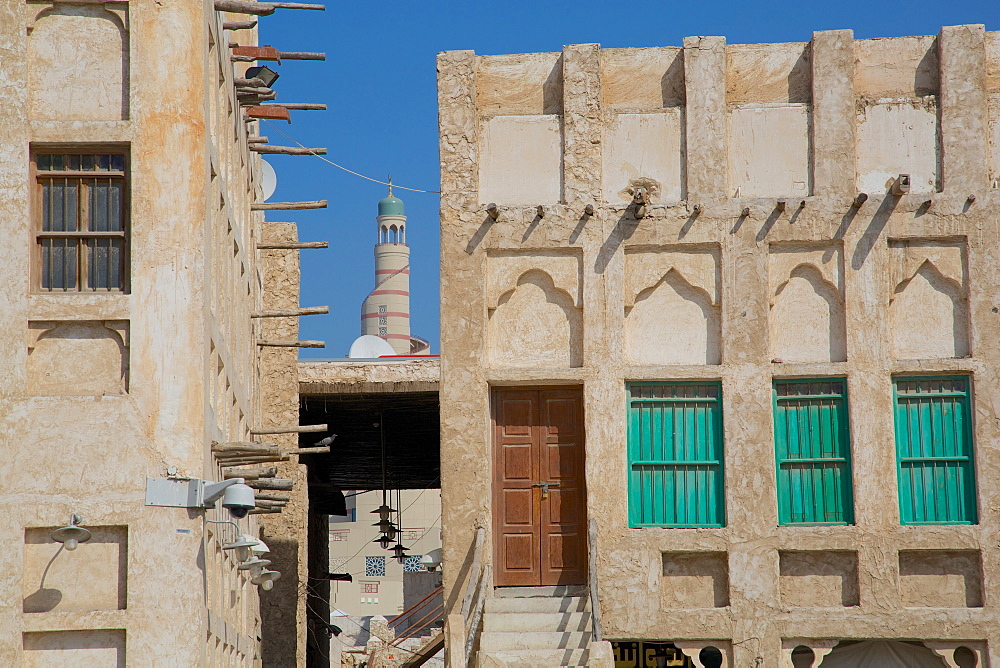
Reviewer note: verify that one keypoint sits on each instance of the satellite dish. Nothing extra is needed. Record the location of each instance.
(370, 347)
(269, 180)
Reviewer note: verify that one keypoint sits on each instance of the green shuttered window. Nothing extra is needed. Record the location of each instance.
(675, 455)
(937, 482)
(813, 450)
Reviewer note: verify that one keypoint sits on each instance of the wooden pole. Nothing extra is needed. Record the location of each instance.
(256, 140)
(307, 451)
(292, 312)
(264, 496)
(286, 150)
(254, 82)
(251, 474)
(292, 344)
(296, 429)
(303, 55)
(244, 7)
(243, 446)
(239, 25)
(288, 206)
(274, 484)
(264, 511)
(293, 245)
(300, 106)
(297, 5)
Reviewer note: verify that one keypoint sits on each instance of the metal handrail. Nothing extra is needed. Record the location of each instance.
(413, 608)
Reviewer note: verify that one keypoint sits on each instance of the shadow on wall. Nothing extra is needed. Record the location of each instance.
(279, 632)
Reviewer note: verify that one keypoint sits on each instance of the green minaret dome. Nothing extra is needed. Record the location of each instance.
(390, 206)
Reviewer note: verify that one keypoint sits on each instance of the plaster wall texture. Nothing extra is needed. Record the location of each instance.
(104, 389)
(809, 286)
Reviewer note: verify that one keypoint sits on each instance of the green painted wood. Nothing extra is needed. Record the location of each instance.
(675, 455)
(813, 452)
(934, 450)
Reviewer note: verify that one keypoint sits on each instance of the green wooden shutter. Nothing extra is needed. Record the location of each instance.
(812, 447)
(675, 455)
(937, 482)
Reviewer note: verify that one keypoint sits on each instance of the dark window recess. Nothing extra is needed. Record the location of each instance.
(82, 222)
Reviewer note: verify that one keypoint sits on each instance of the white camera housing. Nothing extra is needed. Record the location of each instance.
(238, 499)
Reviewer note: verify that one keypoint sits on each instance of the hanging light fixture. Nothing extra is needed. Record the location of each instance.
(242, 546)
(384, 541)
(399, 553)
(72, 534)
(387, 528)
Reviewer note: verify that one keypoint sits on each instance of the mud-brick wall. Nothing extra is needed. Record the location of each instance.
(753, 258)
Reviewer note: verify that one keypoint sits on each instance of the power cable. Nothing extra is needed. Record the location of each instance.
(349, 171)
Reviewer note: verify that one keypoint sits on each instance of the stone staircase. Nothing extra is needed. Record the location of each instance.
(536, 627)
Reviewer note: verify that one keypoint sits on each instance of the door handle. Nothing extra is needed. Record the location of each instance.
(545, 487)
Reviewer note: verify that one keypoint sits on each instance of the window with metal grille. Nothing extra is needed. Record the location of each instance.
(937, 480)
(812, 444)
(81, 229)
(675, 455)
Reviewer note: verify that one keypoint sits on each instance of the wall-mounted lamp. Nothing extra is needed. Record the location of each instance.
(255, 566)
(242, 547)
(260, 548)
(264, 73)
(72, 534)
(266, 579)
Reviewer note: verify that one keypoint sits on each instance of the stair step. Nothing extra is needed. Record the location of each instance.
(536, 621)
(543, 658)
(529, 592)
(539, 604)
(494, 641)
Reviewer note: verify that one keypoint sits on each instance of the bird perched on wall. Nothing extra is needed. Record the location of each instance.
(326, 441)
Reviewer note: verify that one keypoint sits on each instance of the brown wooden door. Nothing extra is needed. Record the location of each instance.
(539, 537)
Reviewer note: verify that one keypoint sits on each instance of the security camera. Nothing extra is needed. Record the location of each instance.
(238, 500)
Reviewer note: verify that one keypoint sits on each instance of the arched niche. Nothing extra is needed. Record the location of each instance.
(806, 322)
(77, 359)
(672, 322)
(535, 325)
(78, 64)
(929, 316)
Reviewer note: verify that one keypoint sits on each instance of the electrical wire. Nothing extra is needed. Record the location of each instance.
(349, 171)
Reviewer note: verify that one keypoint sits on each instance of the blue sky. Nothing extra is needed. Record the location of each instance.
(378, 82)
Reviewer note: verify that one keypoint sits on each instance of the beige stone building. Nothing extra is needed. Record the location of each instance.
(134, 256)
(719, 353)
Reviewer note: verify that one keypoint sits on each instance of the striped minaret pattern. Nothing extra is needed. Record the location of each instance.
(386, 311)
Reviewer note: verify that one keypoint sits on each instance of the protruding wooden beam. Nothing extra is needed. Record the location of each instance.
(239, 25)
(292, 312)
(265, 511)
(254, 90)
(299, 106)
(256, 140)
(270, 113)
(297, 5)
(255, 82)
(293, 245)
(244, 7)
(303, 55)
(264, 496)
(292, 344)
(251, 474)
(266, 52)
(293, 429)
(288, 206)
(308, 451)
(273, 484)
(285, 150)
(243, 446)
